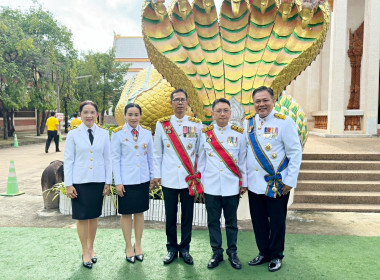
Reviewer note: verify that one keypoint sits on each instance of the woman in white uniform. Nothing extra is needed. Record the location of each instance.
(132, 163)
(88, 175)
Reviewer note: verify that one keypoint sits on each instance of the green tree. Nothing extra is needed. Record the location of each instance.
(52, 47)
(14, 49)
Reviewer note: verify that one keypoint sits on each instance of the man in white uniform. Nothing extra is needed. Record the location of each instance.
(222, 155)
(174, 149)
(273, 162)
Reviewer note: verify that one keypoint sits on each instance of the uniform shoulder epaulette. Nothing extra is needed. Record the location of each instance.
(279, 116)
(73, 127)
(165, 119)
(117, 129)
(238, 129)
(250, 116)
(193, 119)
(207, 128)
(146, 127)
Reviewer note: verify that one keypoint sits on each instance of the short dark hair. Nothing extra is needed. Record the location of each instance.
(176, 91)
(87, 102)
(75, 115)
(132, 105)
(52, 114)
(220, 100)
(262, 88)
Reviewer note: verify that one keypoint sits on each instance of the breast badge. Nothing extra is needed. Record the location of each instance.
(268, 147)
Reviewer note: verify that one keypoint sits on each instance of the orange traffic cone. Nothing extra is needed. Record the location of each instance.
(12, 186)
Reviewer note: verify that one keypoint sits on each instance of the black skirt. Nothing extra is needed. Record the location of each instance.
(88, 204)
(135, 199)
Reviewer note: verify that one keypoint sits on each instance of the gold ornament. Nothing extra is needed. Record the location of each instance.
(268, 147)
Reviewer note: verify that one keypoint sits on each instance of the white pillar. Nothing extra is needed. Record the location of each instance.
(338, 56)
(369, 88)
(314, 87)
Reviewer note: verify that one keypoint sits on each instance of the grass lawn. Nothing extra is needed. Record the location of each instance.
(51, 253)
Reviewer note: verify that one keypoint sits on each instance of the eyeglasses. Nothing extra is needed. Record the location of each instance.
(225, 111)
(179, 100)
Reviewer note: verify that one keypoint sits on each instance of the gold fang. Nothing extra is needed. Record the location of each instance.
(268, 147)
(274, 155)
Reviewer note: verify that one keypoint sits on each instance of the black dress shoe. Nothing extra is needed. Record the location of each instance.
(275, 265)
(187, 258)
(86, 264)
(258, 260)
(94, 259)
(234, 260)
(215, 260)
(140, 258)
(57, 151)
(130, 259)
(169, 258)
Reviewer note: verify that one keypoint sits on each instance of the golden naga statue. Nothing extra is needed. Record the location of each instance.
(252, 43)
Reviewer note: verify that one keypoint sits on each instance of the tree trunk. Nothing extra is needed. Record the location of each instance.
(11, 126)
(38, 123)
(44, 117)
(66, 114)
(5, 122)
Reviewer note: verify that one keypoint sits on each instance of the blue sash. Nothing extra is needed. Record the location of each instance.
(274, 179)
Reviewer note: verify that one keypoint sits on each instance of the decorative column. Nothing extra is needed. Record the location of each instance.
(337, 69)
(370, 66)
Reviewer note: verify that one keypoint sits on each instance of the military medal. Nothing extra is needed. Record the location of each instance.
(135, 134)
(274, 155)
(189, 146)
(274, 189)
(268, 147)
(261, 125)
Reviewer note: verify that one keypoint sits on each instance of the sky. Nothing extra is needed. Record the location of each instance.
(93, 22)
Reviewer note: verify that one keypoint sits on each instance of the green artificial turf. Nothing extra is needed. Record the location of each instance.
(51, 253)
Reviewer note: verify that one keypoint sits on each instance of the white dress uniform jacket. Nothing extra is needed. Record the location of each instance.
(132, 162)
(283, 141)
(167, 164)
(86, 163)
(217, 179)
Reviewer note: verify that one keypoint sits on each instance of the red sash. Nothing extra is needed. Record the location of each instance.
(223, 154)
(193, 180)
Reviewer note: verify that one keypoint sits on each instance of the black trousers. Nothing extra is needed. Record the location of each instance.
(171, 208)
(214, 206)
(269, 223)
(52, 134)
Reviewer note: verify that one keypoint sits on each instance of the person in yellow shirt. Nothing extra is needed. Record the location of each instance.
(75, 122)
(52, 125)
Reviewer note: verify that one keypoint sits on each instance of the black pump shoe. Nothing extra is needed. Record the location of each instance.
(86, 264)
(94, 259)
(130, 259)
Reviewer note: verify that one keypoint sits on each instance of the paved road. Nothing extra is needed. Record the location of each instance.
(27, 209)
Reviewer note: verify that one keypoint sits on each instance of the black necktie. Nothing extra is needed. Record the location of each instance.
(90, 135)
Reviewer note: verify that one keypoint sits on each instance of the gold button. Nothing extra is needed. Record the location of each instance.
(179, 134)
(179, 124)
(91, 159)
(222, 132)
(138, 164)
(221, 170)
(257, 169)
(259, 134)
(137, 155)
(221, 141)
(221, 160)
(179, 166)
(91, 151)
(90, 167)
